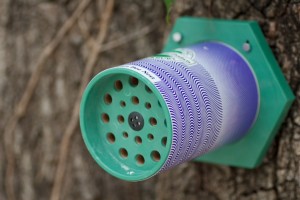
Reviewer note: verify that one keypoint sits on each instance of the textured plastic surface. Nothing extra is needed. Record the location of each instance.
(275, 94)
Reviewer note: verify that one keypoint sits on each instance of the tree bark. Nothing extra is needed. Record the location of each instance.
(137, 29)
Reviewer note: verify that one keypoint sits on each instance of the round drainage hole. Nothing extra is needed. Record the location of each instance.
(107, 99)
(164, 141)
(123, 153)
(140, 159)
(148, 89)
(133, 81)
(153, 121)
(148, 105)
(125, 134)
(135, 100)
(155, 155)
(121, 119)
(105, 118)
(122, 103)
(150, 136)
(138, 140)
(111, 138)
(118, 85)
(159, 104)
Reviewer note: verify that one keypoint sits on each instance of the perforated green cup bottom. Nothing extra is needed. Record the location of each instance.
(125, 124)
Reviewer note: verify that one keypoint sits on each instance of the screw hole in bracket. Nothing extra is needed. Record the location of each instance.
(247, 46)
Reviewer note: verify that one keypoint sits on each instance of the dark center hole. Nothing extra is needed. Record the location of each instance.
(136, 121)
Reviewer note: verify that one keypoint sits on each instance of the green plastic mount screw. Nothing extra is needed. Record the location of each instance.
(276, 96)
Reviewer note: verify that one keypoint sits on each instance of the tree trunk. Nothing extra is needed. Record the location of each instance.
(34, 139)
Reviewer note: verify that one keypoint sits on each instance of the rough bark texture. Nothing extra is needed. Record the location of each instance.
(27, 26)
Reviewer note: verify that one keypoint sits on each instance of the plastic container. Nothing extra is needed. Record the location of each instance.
(145, 117)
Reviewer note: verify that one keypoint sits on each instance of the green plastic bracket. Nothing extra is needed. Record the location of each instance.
(276, 96)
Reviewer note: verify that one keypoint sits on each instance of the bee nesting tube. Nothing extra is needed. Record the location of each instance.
(145, 117)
